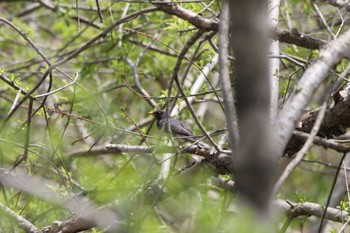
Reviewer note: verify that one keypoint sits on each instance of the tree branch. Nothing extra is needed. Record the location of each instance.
(292, 209)
(293, 37)
(230, 108)
(22, 222)
(40, 187)
(222, 162)
(335, 122)
(310, 81)
(193, 18)
(339, 3)
(310, 209)
(71, 55)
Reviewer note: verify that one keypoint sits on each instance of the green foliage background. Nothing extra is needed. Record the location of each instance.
(104, 104)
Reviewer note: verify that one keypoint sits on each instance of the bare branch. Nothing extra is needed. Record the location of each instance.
(138, 85)
(300, 155)
(195, 19)
(339, 3)
(99, 11)
(311, 79)
(230, 108)
(59, 89)
(54, 8)
(274, 50)
(71, 225)
(332, 144)
(292, 209)
(200, 22)
(22, 222)
(296, 38)
(40, 187)
(222, 162)
(74, 54)
(310, 209)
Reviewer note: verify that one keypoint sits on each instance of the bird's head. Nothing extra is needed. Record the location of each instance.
(159, 114)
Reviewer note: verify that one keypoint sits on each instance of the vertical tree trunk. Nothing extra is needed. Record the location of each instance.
(249, 40)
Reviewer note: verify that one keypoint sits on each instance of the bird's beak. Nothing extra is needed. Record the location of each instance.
(150, 113)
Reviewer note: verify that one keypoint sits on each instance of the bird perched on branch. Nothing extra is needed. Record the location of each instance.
(175, 127)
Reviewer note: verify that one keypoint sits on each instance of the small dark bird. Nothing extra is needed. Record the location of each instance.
(176, 127)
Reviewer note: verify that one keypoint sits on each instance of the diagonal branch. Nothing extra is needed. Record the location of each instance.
(309, 82)
(22, 222)
(292, 165)
(40, 187)
(74, 54)
(193, 18)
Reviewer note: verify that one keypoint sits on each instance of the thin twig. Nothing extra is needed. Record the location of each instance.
(207, 7)
(26, 38)
(110, 11)
(77, 10)
(300, 155)
(331, 191)
(74, 54)
(99, 11)
(175, 78)
(329, 30)
(16, 99)
(54, 8)
(59, 89)
(348, 196)
(120, 28)
(143, 92)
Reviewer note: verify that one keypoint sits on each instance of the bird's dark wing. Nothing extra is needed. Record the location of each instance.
(179, 128)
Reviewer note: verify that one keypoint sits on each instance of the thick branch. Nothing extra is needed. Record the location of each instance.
(339, 3)
(22, 222)
(40, 187)
(336, 120)
(201, 22)
(296, 38)
(310, 81)
(71, 225)
(193, 18)
(222, 162)
(310, 209)
(292, 209)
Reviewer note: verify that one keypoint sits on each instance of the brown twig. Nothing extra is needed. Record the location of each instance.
(99, 11)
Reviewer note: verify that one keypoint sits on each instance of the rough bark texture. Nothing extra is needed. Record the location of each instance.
(336, 120)
(294, 37)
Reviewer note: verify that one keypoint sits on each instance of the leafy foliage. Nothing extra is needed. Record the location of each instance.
(106, 102)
